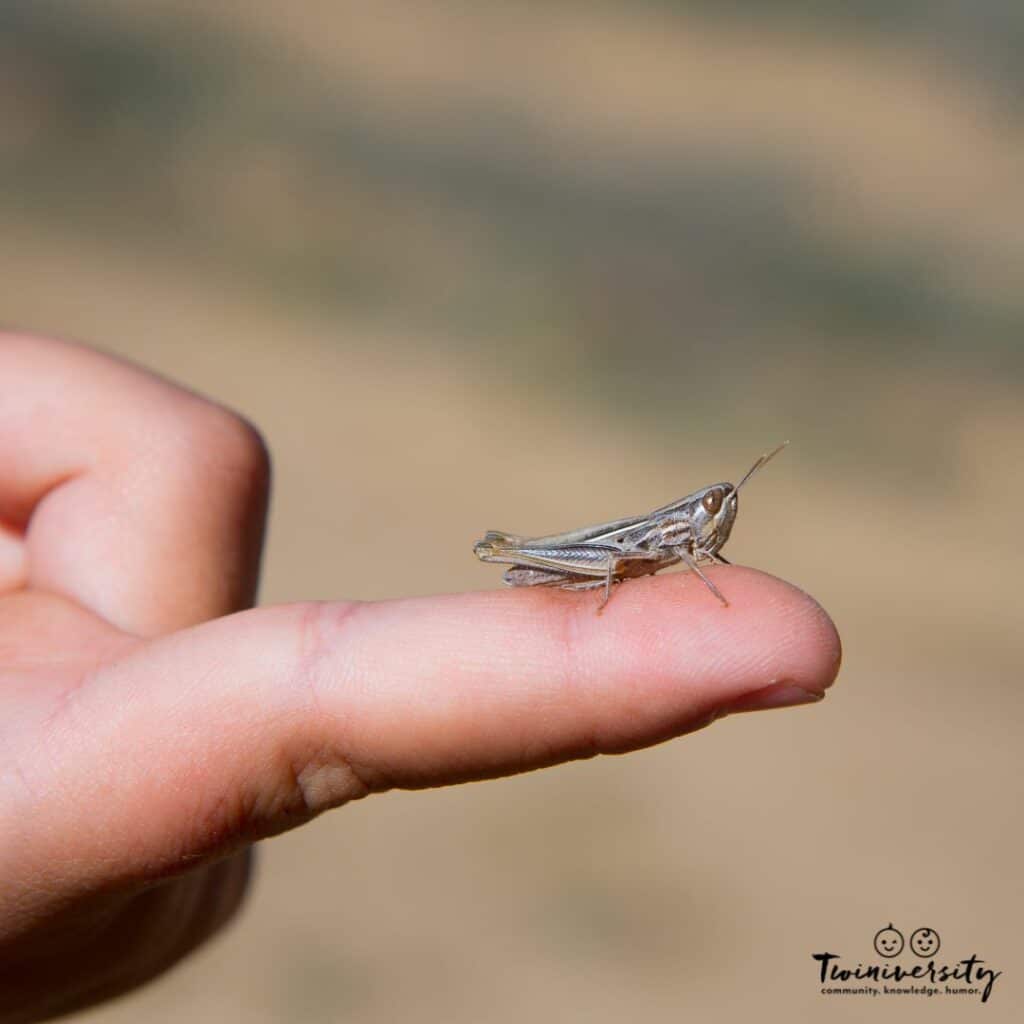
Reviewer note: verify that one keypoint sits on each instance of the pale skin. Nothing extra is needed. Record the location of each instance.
(151, 728)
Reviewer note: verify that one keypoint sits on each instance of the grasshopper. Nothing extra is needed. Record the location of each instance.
(691, 530)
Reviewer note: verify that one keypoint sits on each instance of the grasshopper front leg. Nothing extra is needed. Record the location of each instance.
(692, 565)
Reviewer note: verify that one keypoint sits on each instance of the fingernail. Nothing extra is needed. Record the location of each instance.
(778, 695)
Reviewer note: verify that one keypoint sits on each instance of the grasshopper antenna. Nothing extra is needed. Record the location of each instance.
(754, 468)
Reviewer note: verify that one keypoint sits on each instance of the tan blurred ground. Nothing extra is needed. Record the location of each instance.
(692, 881)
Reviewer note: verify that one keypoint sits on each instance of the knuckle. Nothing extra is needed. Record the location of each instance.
(214, 445)
(231, 441)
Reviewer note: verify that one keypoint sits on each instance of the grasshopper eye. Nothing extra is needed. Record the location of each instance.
(712, 501)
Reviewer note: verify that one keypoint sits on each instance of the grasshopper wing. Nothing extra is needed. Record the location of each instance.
(600, 533)
(499, 546)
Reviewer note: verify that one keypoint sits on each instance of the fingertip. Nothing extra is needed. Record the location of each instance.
(665, 656)
(770, 630)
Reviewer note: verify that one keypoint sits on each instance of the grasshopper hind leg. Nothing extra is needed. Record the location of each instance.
(612, 575)
(520, 576)
(583, 583)
(617, 567)
(523, 577)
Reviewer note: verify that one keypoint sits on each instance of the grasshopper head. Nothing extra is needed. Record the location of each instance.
(715, 507)
(714, 512)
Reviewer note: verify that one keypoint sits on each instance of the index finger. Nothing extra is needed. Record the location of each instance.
(253, 723)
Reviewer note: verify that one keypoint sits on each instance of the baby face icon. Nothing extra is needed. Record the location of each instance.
(925, 942)
(889, 941)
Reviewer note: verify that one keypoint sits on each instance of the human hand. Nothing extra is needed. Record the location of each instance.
(149, 735)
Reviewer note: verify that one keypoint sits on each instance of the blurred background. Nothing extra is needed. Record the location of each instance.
(528, 265)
